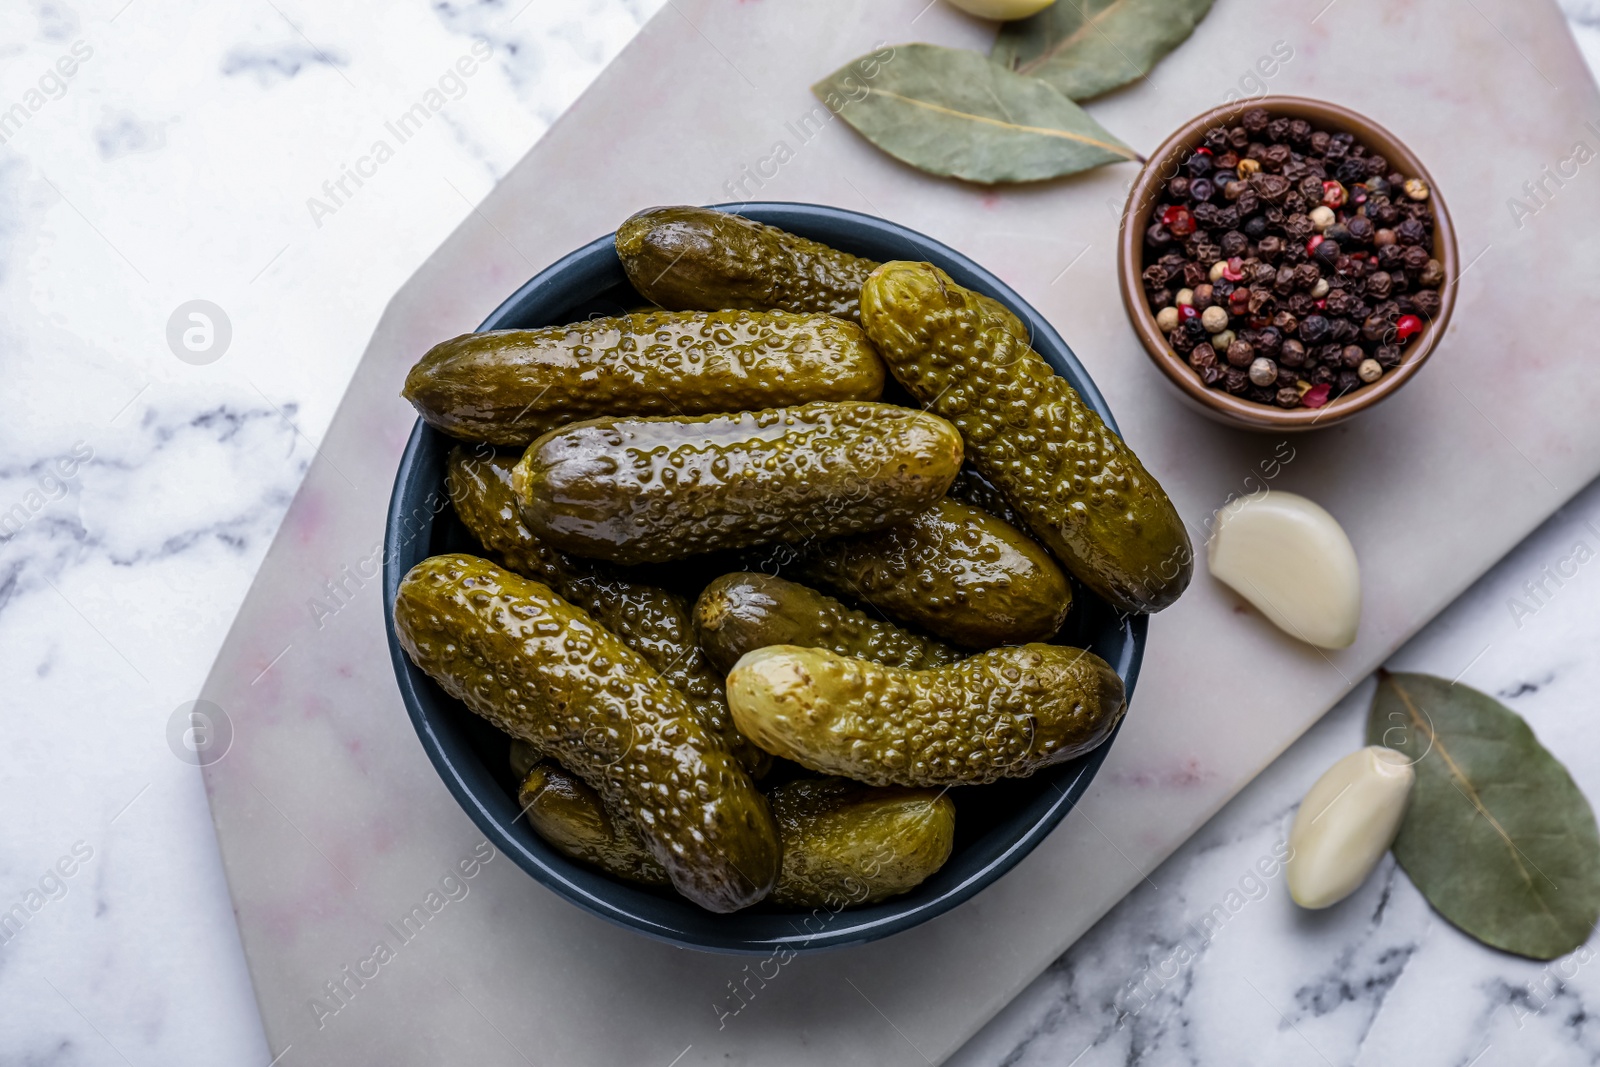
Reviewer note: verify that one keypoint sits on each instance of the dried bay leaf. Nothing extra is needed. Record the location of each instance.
(1088, 47)
(953, 112)
(1498, 837)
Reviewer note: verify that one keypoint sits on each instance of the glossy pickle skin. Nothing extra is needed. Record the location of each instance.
(698, 258)
(971, 487)
(507, 387)
(1081, 490)
(652, 621)
(955, 571)
(1005, 713)
(646, 490)
(843, 843)
(542, 670)
(571, 818)
(847, 844)
(701, 258)
(744, 611)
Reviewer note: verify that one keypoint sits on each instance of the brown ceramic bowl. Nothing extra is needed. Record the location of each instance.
(1237, 411)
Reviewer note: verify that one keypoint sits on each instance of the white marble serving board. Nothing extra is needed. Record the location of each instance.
(332, 823)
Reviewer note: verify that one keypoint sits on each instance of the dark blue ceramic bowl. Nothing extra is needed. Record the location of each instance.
(997, 825)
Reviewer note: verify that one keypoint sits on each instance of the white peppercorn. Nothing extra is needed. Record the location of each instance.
(1322, 217)
(1222, 340)
(1263, 371)
(1369, 371)
(1214, 318)
(1167, 319)
(1185, 298)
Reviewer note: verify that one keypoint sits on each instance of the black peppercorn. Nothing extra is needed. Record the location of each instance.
(1295, 204)
(1216, 138)
(1302, 305)
(1201, 188)
(1234, 243)
(1319, 142)
(1286, 376)
(1427, 302)
(1377, 186)
(1314, 329)
(1326, 253)
(1241, 354)
(1155, 276)
(1287, 397)
(1157, 236)
(1389, 355)
(1351, 171)
(1298, 227)
(1178, 188)
(1160, 298)
(1194, 329)
(1247, 204)
(1350, 356)
(1193, 275)
(1432, 274)
(1238, 137)
(1255, 227)
(1270, 187)
(1344, 331)
(1360, 229)
(1347, 381)
(1204, 296)
(1236, 381)
(1198, 164)
(1416, 258)
(1323, 375)
(1378, 285)
(1292, 353)
(1410, 232)
(1173, 261)
(1255, 120)
(1275, 157)
(1338, 232)
(1203, 356)
(1260, 299)
(1376, 165)
(1278, 129)
(1299, 132)
(1391, 257)
(1267, 342)
(1234, 189)
(1283, 281)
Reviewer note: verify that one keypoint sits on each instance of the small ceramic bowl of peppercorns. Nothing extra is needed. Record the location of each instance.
(1287, 263)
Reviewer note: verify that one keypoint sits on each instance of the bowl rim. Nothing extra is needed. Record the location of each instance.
(578, 884)
(1222, 406)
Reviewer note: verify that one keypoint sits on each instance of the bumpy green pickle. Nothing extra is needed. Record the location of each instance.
(542, 670)
(847, 844)
(652, 621)
(955, 571)
(507, 387)
(570, 816)
(744, 611)
(697, 257)
(1003, 714)
(843, 843)
(1081, 490)
(642, 490)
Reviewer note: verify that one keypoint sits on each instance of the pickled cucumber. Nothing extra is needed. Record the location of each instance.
(694, 257)
(971, 487)
(955, 571)
(653, 622)
(697, 257)
(509, 386)
(523, 756)
(846, 844)
(1003, 714)
(640, 490)
(842, 843)
(741, 612)
(1081, 490)
(570, 816)
(543, 670)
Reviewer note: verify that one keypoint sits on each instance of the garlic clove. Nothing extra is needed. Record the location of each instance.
(1293, 561)
(1346, 823)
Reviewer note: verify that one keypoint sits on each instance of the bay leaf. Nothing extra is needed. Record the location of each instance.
(1088, 47)
(952, 112)
(1498, 836)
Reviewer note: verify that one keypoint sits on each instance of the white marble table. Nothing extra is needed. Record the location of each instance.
(179, 161)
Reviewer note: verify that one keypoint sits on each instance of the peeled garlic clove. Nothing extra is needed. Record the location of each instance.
(1346, 823)
(1292, 560)
(1004, 10)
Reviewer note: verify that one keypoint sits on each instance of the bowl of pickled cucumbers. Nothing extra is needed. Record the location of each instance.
(769, 578)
